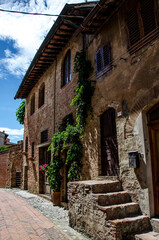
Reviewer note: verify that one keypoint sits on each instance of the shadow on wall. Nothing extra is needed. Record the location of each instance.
(141, 173)
(34, 171)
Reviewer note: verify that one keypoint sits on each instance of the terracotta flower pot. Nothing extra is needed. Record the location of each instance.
(55, 196)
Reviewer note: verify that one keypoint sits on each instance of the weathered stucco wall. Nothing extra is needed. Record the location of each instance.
(134, 79)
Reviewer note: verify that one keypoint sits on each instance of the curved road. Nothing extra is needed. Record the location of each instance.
(20, 221)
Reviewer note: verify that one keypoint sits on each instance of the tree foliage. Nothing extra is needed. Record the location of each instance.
(20, 112)
(4, 148)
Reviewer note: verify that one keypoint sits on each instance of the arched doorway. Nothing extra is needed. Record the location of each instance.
(153, 125)
(109, 145)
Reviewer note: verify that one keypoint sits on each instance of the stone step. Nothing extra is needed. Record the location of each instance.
(148, 236)
(106, 199)
(120, 210)
(155, 224)
(130, 226)
(106, 186)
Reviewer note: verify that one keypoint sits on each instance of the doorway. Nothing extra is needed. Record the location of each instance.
(44, 158)
(153, 125)
(109, 145)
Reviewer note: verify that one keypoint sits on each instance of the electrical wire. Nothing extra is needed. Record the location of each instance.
(40, 14)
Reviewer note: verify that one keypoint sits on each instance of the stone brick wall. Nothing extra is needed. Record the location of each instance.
(48, 116)
(65, 94)
(3, 167)
(15, 159)
(39, 121)
(84, 215)
(101, 210)
(10, 163)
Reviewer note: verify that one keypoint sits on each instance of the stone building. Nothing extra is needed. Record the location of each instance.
(121, 142)
(49, 92)
(3, 139)
(11, 166)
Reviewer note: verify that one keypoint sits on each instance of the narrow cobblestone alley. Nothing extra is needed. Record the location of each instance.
(21, 221)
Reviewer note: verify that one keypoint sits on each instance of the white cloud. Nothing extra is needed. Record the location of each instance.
(26, 31)
(8, 53)
(15, 138)
(10, 131)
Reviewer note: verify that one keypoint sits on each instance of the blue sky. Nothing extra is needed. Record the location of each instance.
(20, 38)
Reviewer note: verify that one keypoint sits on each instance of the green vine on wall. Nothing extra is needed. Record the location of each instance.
(70, 137)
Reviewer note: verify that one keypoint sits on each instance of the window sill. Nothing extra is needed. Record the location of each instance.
(144, 41)
(41, 106)
(32, 114)
(105, 70)
(64, 86)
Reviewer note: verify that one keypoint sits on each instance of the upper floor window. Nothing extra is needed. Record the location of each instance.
(142, 24)
(44, 136)
(41, 95)
(68, 120)
(32, 104)
(66, 68)
(103, 59)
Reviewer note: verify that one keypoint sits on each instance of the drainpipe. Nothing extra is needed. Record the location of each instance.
(83, 42)
(54, 117)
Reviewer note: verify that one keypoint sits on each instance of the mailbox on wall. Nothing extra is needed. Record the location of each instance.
(133, 159)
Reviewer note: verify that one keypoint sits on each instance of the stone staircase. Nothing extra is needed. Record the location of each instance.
(121, 214)
(150, 235)
(102, 210)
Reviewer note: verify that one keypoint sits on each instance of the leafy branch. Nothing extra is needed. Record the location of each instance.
(20, 112)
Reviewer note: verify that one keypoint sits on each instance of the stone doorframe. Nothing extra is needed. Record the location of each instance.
(142, 128)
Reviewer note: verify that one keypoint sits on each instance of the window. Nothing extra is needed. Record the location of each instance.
(68, 120)
(41, 95)
(32, 104)
(44, 136)
(26, 144)
(32, 153)
(66, 69)
(103, 60)
(141, 24)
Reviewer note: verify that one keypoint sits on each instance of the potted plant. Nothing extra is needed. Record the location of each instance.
(54, 177)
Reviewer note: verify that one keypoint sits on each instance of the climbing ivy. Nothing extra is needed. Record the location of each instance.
(70, 137)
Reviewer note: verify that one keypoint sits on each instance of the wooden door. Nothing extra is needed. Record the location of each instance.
(109, 145)
(47, 159)
(153, 123)
(44, 158)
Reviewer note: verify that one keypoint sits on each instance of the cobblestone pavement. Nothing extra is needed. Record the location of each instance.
(54, 225)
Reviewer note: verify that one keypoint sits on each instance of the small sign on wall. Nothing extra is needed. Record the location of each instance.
(133, 159)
